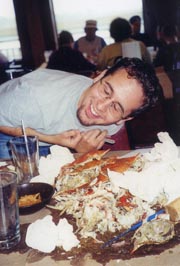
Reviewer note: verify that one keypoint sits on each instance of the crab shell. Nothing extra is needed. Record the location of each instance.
(92, 167)
(154, 232)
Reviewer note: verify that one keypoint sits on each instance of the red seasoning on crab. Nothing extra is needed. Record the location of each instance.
(90, 169)
(84, 191)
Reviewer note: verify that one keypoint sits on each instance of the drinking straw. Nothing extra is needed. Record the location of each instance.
(27, 148)
(2, 209)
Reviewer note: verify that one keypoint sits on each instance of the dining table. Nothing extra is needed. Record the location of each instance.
(24, 255)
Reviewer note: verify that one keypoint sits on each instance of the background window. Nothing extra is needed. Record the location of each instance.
(71, 15)
(9, 41)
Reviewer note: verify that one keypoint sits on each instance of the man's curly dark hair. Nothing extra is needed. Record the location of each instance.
(145, 74)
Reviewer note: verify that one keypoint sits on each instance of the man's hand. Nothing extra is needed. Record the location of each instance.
(69, 138)
(74, 139)
(92, 139)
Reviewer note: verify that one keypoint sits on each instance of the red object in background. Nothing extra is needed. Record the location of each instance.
(121, 141)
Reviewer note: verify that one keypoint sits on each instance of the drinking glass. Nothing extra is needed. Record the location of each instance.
(9, 210)
(25, 154)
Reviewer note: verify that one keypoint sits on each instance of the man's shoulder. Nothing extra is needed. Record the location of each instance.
(45, 72)
(83, 38)
(99, 37)
(112, 46)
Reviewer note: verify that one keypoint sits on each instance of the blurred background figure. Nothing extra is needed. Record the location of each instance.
(3, 59)
(168, 54)
(135, 23)
(4, 63)
(66, 58)
(159, 42)
(90, 44)
(120, 31)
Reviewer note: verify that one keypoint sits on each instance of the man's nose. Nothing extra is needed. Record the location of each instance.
(103, 104)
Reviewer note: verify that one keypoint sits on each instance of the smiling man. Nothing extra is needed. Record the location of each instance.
(73, 110)
(110, 100)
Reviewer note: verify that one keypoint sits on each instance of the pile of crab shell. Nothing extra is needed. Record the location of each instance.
(83, 190)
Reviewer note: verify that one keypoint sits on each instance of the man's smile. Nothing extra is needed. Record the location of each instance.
(91, 112)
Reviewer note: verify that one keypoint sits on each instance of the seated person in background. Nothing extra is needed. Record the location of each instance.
(120, 31)
(135, 23)
(68, 59)
(168, 54)
(4, 63)
(73, 110)
(3, 59)
(90, 44)
(159, 41)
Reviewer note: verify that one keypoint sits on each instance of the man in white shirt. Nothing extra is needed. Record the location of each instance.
(73, 110)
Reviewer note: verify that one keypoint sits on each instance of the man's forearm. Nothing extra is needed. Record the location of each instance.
(42, 137)
(68, 138)
(13, 131)
(17, 131)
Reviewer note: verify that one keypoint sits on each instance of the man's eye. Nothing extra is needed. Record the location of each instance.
(117, 107)
(107, 91)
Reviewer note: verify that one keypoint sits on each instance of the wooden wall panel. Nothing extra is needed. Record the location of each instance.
(36, 29)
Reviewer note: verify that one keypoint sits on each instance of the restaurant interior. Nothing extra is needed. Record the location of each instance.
(37, 32)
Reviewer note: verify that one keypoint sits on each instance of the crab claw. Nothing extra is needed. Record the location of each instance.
(121, 164)
(89, 156)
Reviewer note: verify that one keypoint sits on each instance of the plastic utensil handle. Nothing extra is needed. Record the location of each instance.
(132, 228)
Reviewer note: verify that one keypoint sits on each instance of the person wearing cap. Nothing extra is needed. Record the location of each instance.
(90, 44)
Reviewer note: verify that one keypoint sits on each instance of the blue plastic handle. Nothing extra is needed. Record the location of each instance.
(132, 228)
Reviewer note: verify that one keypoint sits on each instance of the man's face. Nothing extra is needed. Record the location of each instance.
(136, 26)
(110, 99)
(90, 33)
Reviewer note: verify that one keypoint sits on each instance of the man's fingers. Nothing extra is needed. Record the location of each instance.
(94, 134)
(73, 133)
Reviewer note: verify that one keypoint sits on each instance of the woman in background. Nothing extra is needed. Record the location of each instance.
(120, 31)
(68, 59)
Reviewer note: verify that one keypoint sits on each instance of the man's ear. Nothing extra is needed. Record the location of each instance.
(100, 76)
(124, 120)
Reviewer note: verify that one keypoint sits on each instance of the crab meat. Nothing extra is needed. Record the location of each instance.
(154, 232)
(98, 209)
(90, 169)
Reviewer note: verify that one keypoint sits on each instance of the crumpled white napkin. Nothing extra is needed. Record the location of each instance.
(66, 238)
(160, 174)
(49, 167)
(3, 164)
(44, 235)
(165, 150)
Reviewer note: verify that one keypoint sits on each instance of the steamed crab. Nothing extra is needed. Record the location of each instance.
(99, 209)
(85, 191)
(155, 232)
(91, 168)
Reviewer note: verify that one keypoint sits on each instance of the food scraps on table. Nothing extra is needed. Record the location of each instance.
(92, 190)
(29, 200)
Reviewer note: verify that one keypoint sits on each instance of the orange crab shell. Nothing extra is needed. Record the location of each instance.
(120, 165)
(94, 159)
(88, 156)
